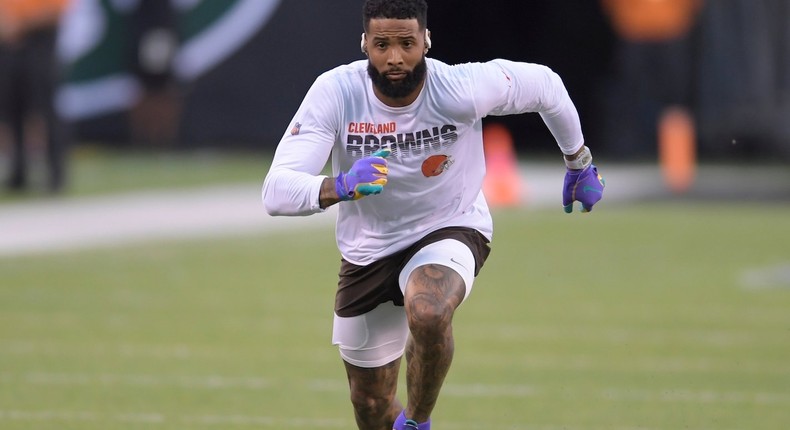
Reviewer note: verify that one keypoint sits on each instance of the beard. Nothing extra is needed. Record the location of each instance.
(402, 88)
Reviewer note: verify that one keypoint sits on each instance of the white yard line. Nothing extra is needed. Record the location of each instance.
(766, 277)
(478, 390)
(156, 419)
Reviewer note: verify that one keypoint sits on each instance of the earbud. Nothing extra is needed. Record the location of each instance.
(427, 39)
(362, 45)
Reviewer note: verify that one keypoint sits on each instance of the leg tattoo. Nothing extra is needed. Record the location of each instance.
(433, 294)
(373, 395)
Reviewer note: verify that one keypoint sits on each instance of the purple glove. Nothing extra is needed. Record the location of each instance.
(367, 176)
(584, 185)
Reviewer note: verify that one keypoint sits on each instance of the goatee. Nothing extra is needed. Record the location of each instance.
(403, 87)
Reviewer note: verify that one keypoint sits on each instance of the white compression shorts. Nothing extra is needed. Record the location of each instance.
(378, 337)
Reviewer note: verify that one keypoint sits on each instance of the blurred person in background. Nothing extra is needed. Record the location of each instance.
(30, 130)
(404, 133)
(653, 76)
(154, 119)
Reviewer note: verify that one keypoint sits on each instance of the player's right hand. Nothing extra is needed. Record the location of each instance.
(367, 176)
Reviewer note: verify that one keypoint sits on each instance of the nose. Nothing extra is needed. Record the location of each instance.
(395, 56)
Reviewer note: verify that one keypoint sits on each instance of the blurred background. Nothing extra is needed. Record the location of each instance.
(225, 75)
(142, 285)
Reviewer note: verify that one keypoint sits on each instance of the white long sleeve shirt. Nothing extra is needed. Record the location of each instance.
(436, 167)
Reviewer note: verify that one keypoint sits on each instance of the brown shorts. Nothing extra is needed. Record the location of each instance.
(362, 288)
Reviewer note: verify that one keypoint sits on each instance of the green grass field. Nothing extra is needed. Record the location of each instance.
(651, 316)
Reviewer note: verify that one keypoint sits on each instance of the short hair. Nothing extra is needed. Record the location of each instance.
(395, 9)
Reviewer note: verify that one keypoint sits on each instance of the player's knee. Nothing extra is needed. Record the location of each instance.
(430, 321)
(435, 293)
(427, 310)
(367, 404)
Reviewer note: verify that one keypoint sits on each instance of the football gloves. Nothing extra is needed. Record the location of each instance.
(585, 186)
(367, 176)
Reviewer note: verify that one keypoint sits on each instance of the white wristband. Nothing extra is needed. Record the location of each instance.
(581, 161)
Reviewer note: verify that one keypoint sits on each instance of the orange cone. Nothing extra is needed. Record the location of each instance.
(677, 149)
(502, 184)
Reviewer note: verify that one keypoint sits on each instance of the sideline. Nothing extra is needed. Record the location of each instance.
(67, 223)
(71, 223)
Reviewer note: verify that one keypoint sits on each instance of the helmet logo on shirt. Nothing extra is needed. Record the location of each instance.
(435, 165)
(295, 130)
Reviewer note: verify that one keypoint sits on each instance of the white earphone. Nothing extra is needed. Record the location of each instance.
(427, 41)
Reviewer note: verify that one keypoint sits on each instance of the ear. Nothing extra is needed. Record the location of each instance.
(427, 39)
(362, 44)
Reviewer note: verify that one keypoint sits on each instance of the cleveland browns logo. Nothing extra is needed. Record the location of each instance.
(435, 165)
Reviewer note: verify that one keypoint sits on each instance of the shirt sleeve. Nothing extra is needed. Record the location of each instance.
(293, 183)
(507, 87)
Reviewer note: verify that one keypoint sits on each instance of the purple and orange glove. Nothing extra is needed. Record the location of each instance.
(367, 176)
(582, 183)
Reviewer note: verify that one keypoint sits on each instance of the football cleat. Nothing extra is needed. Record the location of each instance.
(411, 425)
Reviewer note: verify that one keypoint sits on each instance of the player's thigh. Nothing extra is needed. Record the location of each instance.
(372, 339)
(445, 269)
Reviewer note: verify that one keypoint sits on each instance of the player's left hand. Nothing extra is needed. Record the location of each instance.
(585, 186)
